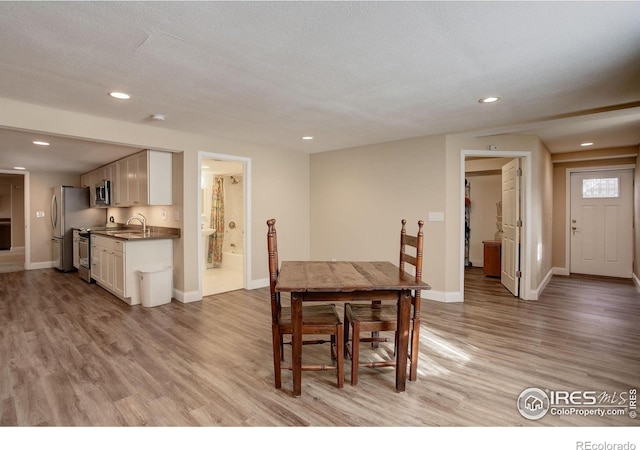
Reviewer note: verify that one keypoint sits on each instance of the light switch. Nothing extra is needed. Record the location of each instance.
(163, 213)
(39, 214)
(436, 217)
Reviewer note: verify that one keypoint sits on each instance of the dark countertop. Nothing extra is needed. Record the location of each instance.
(135, 234)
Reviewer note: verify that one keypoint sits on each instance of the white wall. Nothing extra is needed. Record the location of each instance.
(280, 184)
(360, 195)
(539, 230)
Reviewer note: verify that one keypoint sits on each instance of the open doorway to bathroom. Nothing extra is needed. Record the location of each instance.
(222, 225)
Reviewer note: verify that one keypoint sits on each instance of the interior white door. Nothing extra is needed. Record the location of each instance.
(602, 223)
(511, 224)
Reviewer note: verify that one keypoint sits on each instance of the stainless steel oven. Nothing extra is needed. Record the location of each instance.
(84, 268)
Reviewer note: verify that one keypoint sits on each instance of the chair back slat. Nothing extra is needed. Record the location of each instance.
(272, 246)
(409, 259)
(411, 240)
(416, 242)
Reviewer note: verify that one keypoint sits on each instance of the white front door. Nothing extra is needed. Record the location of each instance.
(602, 223)
(511, 223)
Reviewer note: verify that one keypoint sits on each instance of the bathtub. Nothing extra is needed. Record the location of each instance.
(232, 261)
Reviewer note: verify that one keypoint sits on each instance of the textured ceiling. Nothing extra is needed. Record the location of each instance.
(348, 73)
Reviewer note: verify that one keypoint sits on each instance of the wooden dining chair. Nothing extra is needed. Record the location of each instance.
(376, 316)
(316, 320)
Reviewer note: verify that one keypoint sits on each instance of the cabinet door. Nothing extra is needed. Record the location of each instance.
(159, 178)
(95, 261)
(91, 179)
(121, 193)
(132, 181)
(76, 250)
(142, 177)
(106, 267)
(85, 180)
(119, 273)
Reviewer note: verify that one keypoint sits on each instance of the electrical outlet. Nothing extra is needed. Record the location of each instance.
(436, 217)
(39, 214)
(176, 215)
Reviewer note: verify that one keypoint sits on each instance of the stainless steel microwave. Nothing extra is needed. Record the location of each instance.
(103, 193)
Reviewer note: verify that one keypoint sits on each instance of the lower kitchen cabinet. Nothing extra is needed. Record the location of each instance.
(116, 263)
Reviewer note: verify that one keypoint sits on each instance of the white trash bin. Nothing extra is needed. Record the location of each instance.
(155, 286)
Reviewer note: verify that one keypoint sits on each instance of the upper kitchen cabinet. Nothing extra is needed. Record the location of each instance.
(143, 179)
(99, 182)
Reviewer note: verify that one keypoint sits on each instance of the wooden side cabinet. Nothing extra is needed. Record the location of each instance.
(492, 258)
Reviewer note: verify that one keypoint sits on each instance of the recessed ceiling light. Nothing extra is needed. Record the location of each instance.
(489, 99)
(120, 95)
(307, 138)
(40, 143)
(19, 168)
(586, 144)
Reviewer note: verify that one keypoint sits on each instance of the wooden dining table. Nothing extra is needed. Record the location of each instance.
(343, 281)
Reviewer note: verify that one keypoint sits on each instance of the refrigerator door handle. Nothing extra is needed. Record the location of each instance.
(54, 212)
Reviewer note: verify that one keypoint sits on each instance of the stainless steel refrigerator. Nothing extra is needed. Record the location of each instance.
(70, 209)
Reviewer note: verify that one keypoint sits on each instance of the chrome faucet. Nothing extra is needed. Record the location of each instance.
(143, 221)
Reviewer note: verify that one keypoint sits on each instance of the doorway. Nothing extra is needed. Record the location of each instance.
(524, 247)
(13, 217)
(601, 223)
(222, 224)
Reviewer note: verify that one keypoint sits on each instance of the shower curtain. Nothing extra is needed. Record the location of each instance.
(214, 255)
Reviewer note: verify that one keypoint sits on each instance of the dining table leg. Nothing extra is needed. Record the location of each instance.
(404, 318)
(296, 341)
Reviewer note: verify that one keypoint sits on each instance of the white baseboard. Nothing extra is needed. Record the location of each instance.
(42, 265)
(186, 297)
(440, 296)
(564, 271)
(195, 296)
(257, 284)
(534, 294)
(636, 280)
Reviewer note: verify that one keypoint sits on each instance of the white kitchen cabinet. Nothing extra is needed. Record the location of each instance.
(76, 249)
(96, 259)
(142, 179)
(91, 179)
(116, 263)
(120, 193)
(85, 180)
(119, 273)
(107, 263)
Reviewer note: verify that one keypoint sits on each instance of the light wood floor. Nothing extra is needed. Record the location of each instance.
(11, 260)
(73, 355)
